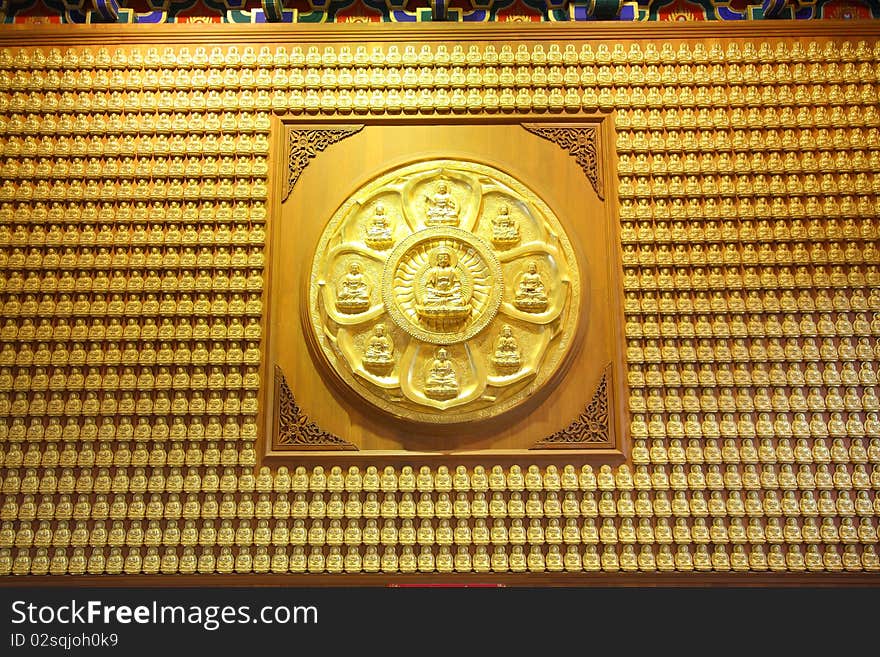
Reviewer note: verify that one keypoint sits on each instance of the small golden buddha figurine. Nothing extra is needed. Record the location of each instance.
(379, 351)
(443, 296)
(441, 382)
(507, 357)
(379, 231)
(441, 208)
(505, 230)
(531, 294)
(353, 291)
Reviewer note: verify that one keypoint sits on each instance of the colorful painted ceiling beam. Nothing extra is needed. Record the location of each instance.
(409, 11)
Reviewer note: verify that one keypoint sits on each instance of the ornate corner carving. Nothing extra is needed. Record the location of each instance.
(581, 142)
(303, 144)
(591, 428)
(294, 429)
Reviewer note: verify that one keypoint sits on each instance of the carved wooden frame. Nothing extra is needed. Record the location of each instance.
(588, 140)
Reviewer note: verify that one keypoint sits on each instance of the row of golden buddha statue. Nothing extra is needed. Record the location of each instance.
(839, 61)
(693, 209)
(635, 67)
(388, 98)
(216, 402)
(770, 492)
(840, 458)
(181, 239)
(167, 90)
(810, 325)
(393, 89)
(736, 81)
(668, 391)
(407, 531)
(745, 426)
(764, 510)
(760, 325)
(831, 126)
(750, 277)
(813, 52)
(142, 236)
(518, 560)
(754, 301)
(139, 214)
(198, 427)
(142, 168)
(131, 146)
(758, 185)
(83, 454)
(729, 230)
(197, 453)
(394, 96)
(764, 254)
(758, 350)
(204, 189)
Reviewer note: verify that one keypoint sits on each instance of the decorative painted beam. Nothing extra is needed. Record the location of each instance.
(603, 9)
(106, 11)
(273, 10)
(439, 10)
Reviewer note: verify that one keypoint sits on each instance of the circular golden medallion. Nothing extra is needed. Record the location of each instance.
(444, 291)
(442, 285)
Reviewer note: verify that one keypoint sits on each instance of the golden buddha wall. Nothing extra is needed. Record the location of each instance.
(134, 201)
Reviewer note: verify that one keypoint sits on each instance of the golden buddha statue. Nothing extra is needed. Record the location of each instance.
(441, 207)
(353, 291)
(441, 382)
(442, 293)
(531, 294)
(379, 231)
(378, 355)
(507, 356)
(505, 230)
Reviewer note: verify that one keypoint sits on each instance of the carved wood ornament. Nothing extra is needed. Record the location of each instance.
(303, 144)
(581, 144)
(592, 426)
(294, 429)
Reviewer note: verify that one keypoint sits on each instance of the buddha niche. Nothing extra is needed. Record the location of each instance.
(353, 291)
(531, 295)
(379, 231)
(441, 382)
(442, 294)
(505, 230)
(507, 355)
(379, 351)
(441, 208)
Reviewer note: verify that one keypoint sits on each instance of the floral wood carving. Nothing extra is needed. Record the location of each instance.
(580, 141)
(592, 426)
(294, 429)
(303, 144)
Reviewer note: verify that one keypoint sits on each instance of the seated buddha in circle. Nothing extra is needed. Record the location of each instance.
(441, 208)
(379, 229)
(505, 230)
(531, 294)
(379, 351)
(441, 383)
(441, 294)
(353, 291)
(507, 355)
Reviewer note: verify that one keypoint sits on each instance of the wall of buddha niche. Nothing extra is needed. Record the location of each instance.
(133, 209)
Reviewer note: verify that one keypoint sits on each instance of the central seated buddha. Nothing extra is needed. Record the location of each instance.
(442, 294)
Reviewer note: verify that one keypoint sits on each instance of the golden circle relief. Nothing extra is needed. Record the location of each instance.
(442, 285)
(444, 291)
